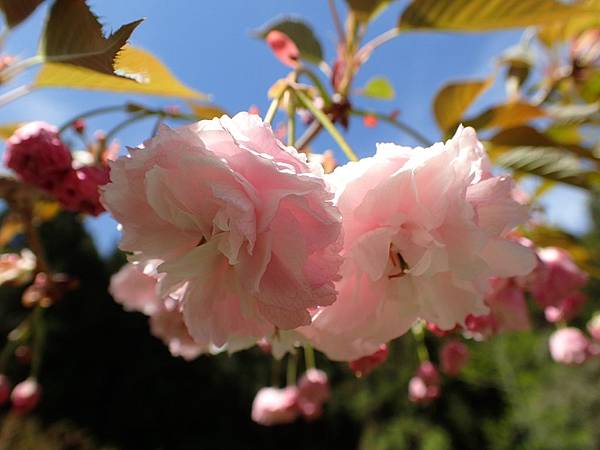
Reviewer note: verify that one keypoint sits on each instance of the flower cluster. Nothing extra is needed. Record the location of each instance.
(38, 156)
(273, 406)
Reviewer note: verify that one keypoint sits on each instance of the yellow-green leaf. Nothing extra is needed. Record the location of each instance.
(7, 129)
(74, 35)
(379, 88)
(206, 111)
(366, 10)
(506, 115)
(152, 77)
(454, 99)
(16, 11)
(483, 15)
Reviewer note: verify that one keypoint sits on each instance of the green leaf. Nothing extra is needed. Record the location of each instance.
(16, 11)
(73, 35)
(454, 99)
(484, 15)
(366, 10)
(302, 35)
(506, 115)
(379, 88)
(152, 76)
(550, 163)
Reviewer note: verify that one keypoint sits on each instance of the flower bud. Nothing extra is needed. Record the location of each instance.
(424, 387)
(273, 406)
(26, 396)
(569, 346)
(313, 391)
(365, 365)
(453, 356)
(283, 47)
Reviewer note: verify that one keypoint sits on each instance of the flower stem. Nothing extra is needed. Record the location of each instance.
(292, 368)
(418, 331)
(327, 124)
(15, 94)
(273, 107)
(291, 131)
(309, 357)
(39, 340)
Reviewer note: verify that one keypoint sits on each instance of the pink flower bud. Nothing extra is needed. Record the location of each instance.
(567, 308)
(26, 395)
(424, 387)
(38, 156)
(454, 355)
(365, 365)
(283, 47)
(79, 126)
(5, 388)
(593, 326)
(274, 406)
(429, 373)
(313, 391)
(569, 346)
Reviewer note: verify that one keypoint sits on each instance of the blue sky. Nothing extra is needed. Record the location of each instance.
(209, 46)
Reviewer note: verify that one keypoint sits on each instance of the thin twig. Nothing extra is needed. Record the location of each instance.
(363, 54)
(337, 22)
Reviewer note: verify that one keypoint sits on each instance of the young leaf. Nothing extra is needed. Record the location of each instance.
(484, 15)
(454, 99)
(366, 10)
(74, 35)
(152, 76)
(301, 34)
(16, 11)
(379, 88)
(506, 115)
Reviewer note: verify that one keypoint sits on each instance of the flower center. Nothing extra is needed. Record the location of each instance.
(399, 265)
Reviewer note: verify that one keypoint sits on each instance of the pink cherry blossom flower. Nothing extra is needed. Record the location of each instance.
(424, 230)
(556, 277)
(507, 305)
(38, 156)
(273, 406)
(242, 224)
(25, 396)
(569, 346)
(453, 356)
(313, 391)
(365, 365)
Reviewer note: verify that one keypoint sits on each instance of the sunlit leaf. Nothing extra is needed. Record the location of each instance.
(46, 210)
(483, 15)
(550, 163)
(16, 11)
(545, 236)
(152, 77)
(302, 35)
(454, 99)
(506, 115)
(366, 10)
(379, 88)
(569, 29)
(74, 35)
(206, 111)
(8, 129)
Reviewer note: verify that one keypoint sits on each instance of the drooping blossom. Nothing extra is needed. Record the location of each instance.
(424, 387)
(569, 346)
(245, 229)
(556, 277)
(135, 287)
(424, 230)
(365, 365)
(17, 269)
(26, 395)
(273, 406)
(313, 391)
(453, 357)
(283, 47)
(37, 155)
(593, 326)
(567, 309)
